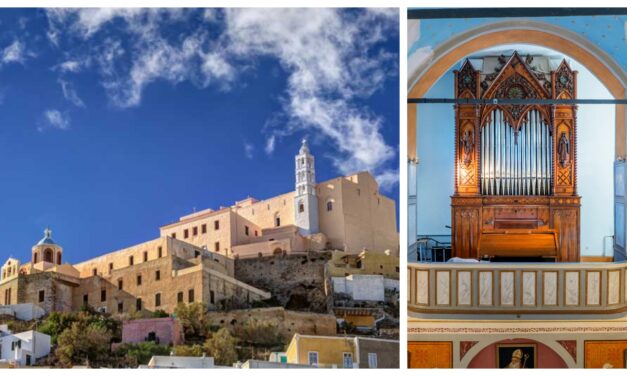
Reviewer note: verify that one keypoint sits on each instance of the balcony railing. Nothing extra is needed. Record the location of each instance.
(517, 288)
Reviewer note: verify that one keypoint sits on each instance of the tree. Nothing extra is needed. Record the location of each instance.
(193, 350)
(259, 332)
(221, 346)
(56, 323)
(192, 318)
(83, 343)
(135, 354)
(160, 313)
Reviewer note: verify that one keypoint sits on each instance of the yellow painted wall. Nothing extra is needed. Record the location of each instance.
(371, 263)
(360, 320)
(330, 350)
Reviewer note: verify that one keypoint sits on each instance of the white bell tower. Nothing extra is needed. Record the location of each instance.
(305, 199)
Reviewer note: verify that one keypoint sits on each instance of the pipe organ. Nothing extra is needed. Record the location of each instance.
(516, 176)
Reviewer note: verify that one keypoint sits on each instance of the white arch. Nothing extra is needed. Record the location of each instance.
(467, 35)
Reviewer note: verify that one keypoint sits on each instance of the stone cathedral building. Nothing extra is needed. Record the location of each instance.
(193, 259)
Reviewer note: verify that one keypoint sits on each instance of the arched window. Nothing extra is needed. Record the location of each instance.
(59, 258)
(48, 255)
(329, 205)
(301, 207)
(35, 258)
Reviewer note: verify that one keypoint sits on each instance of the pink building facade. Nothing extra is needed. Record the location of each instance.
(164, 331)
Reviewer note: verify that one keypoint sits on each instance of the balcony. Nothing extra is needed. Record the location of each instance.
(517, 288)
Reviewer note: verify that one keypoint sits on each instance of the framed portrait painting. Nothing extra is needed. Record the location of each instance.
(516, 355)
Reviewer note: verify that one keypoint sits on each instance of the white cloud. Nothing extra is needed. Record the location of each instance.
(55, 119)
(72, 66)
(14, 53)
(387, 179)
(270, 144)
(333, 60)
(330, 62)
(70, 93)
(248, 150)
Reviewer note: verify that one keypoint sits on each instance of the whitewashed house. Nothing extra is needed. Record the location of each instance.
(22, 349)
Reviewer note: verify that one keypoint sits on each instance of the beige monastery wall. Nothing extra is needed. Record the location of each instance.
(8, 291)
(220, 240)
(364, 219)
(120, 260)
(263, 213)
(332, 222)
(360, 219)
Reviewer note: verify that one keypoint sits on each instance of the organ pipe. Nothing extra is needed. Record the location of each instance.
(516, 161)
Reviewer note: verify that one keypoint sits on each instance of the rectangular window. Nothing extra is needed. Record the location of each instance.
(103, 295)
(138, 304)
(246, 230)
(372, 360)
(139, 280)
(186, 233)
(42, 295)
(216, 225)
(85, 299)
(120, 307)
(158, 299)
(195, 231)
(173, 235)
(120, 284)
(160, 251)
(212, 297)
(145, 256)
(216, 247)
(256, 233)
(179, 297)
(348, 360)
(131, 260)
(203, 228)
(313, 358)
(190, 296)
(158, 275)
(277, 221)
(110, 267)
(94, 272)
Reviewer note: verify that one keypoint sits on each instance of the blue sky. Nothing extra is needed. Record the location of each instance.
(114, 122)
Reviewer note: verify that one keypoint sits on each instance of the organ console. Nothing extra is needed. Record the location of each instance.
(516, 176)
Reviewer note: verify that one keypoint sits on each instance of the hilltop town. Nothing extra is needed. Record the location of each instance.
(309, 278)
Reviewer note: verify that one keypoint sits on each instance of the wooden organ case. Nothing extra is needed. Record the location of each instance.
(516, 176)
